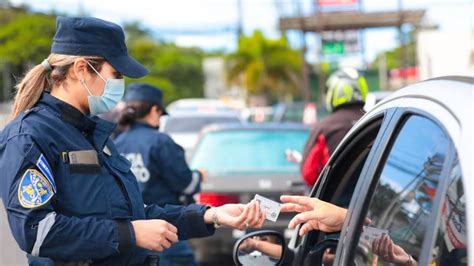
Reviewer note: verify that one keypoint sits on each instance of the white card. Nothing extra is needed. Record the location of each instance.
(370, 234)
(270, 207)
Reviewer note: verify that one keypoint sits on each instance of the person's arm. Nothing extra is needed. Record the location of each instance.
(391, 252)
(196, 220)
(37, 227)
(271, 249)
(169, 159)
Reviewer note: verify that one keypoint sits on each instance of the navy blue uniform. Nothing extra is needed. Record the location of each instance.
(68, 208)
(159, 165)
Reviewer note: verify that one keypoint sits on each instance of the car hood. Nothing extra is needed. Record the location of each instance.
(254, 183)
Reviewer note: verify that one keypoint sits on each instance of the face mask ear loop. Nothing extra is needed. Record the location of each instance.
(100, 76)
(87, 88)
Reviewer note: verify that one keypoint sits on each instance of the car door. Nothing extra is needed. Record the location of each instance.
(338, 180)
(412, 194)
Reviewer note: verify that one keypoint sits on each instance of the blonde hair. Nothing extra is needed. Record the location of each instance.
(38, 79)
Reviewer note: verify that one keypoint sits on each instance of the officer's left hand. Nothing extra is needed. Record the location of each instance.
(240, 216)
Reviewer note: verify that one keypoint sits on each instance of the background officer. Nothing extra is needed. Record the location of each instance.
(157, 161)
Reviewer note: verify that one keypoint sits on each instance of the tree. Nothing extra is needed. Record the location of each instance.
(265, 66)
(27, 38)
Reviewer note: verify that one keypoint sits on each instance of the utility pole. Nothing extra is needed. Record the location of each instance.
(239, 19)
(305, 86)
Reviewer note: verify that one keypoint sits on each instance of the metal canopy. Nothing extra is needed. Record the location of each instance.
(334, 21)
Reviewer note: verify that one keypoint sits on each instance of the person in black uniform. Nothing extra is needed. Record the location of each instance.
(157, 161)
(70, 196)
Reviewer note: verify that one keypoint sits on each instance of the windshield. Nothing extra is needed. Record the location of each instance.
(195, 124)
(249, 151)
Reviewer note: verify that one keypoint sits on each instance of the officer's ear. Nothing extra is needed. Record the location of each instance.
(79, 70)
(156, 110)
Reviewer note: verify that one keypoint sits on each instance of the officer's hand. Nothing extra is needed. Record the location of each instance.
(156, 235)
(241, 216)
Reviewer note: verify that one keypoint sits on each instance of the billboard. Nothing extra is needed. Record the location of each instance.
(323, 3)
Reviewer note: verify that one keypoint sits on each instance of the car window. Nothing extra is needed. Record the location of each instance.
(401, 204)
(451, 241)
(345, 169)
(195, 124)
(228, 152)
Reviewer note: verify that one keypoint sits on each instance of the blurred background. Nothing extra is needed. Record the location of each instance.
(260, 65)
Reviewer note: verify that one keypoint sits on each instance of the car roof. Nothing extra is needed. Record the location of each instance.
(255, 126)
(458, 100)
(179, 114)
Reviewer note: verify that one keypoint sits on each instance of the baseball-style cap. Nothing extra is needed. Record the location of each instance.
(144, 92)
(96, 37)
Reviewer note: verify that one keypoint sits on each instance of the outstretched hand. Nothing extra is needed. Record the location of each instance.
(239, 216)
(314, 214)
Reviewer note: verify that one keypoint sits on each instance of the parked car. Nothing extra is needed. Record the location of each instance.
(407, 166)
(184, 127)
(244, 160)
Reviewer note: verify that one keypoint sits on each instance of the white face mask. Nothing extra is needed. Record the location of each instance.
(113, 93)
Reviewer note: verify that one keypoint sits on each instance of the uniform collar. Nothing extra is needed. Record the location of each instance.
(86, 124)
(141, 125)
(67, 113)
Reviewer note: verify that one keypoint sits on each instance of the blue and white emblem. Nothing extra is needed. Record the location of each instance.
(44, 167)
(34, 190)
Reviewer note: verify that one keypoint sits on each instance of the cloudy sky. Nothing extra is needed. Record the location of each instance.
(211, 24)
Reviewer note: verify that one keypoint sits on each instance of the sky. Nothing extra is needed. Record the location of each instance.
(215, 20)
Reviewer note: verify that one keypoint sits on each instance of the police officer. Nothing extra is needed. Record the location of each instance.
(157, 161)
(69, 195)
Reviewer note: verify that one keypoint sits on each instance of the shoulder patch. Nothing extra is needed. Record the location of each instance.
(34, 190)
(44, 167)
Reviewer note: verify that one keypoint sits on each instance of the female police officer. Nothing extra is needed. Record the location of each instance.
(69, 195)
(157, 161)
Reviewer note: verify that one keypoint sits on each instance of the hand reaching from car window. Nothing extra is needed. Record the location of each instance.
(314, 214)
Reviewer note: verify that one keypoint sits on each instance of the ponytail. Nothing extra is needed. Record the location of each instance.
(52, 71)
(132, 112)
(30, 89)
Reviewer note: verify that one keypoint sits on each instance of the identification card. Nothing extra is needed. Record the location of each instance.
(270, 207)
(370, 234)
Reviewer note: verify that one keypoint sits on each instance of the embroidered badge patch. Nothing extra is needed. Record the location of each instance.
(34, 190)
(44, 167)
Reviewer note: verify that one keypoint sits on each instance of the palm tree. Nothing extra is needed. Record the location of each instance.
(264, 66)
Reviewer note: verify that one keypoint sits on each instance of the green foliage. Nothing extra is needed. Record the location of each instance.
(26, 38)
(265, 66)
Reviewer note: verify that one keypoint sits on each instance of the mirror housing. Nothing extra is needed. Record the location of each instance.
(263, 248)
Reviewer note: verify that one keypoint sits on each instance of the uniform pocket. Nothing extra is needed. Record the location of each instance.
(84, 194)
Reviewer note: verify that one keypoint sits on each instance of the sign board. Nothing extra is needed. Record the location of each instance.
(323, 3)
(334, 48)
(340, 42)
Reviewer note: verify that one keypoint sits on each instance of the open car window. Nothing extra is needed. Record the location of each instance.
(342, 174)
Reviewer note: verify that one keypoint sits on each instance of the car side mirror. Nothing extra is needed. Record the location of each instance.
(262, 248)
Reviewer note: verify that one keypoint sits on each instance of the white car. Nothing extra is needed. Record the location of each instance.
(407, 167)
(184, 127)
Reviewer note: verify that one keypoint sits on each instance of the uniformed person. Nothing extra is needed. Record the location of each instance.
(157, 161)
(69, 195)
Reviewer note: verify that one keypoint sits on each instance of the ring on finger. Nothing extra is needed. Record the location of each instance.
(246, 224)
